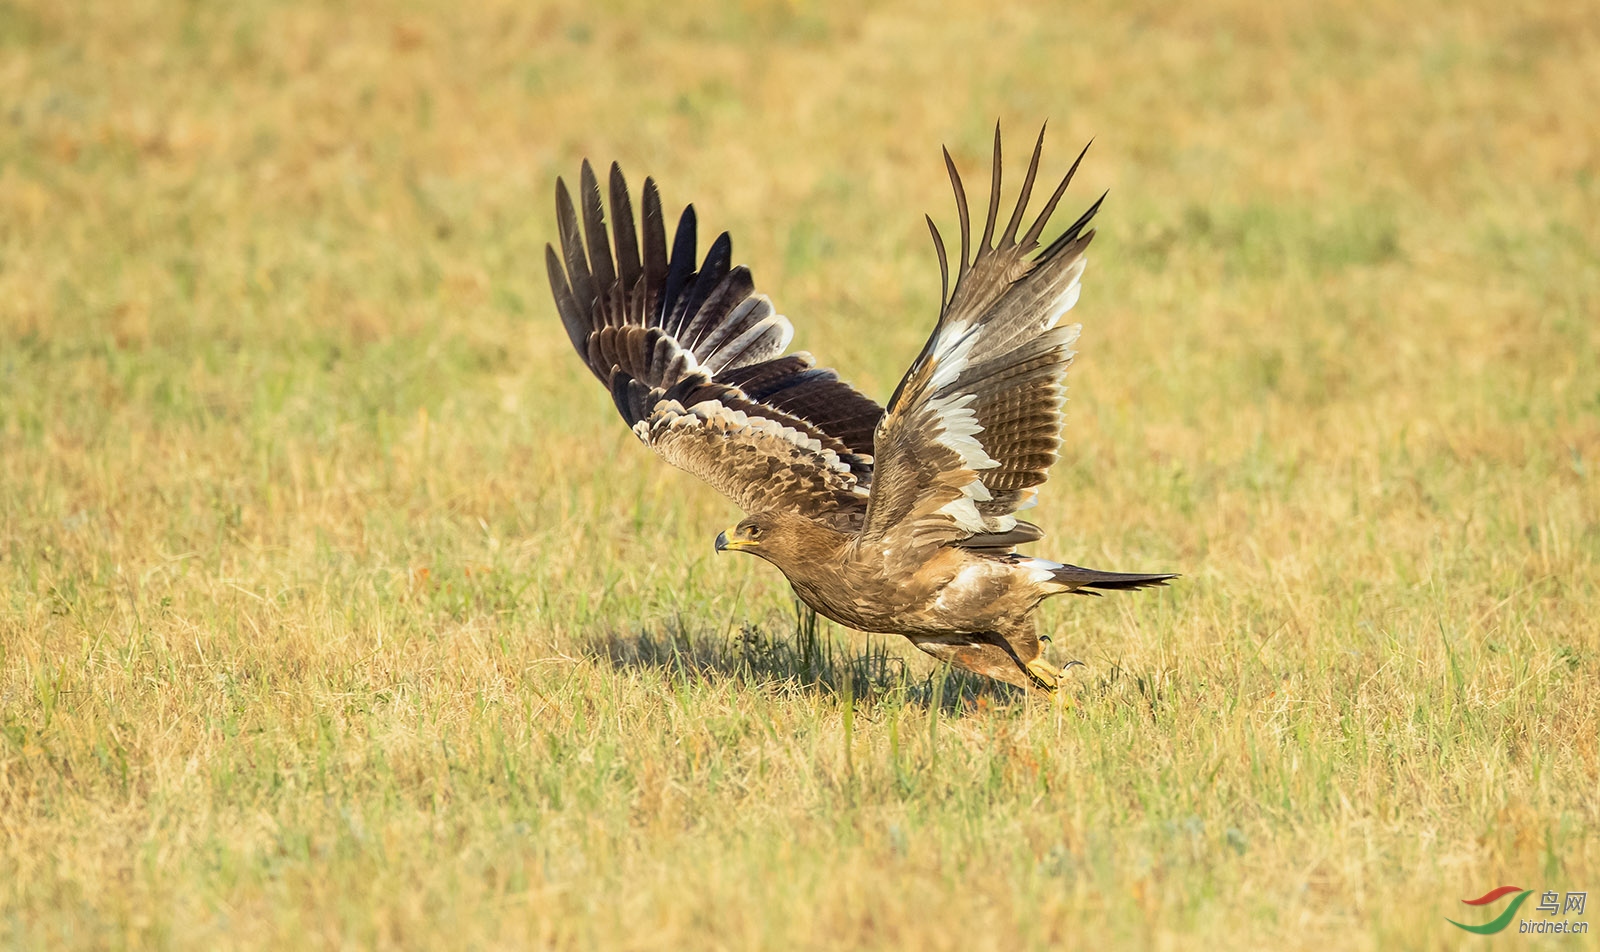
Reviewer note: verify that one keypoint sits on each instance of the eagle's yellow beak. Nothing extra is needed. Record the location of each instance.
(724, 543)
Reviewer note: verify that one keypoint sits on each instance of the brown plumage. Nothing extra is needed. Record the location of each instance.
(898, 520)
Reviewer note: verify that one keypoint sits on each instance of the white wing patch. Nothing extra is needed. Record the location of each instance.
(1063, 303)
(949, 364)
(1071, 331)
(959, 432)
(765, 339)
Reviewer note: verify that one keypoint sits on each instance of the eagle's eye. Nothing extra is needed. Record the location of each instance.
(753, 531)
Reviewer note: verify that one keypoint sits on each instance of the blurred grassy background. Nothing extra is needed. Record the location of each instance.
(336, 609)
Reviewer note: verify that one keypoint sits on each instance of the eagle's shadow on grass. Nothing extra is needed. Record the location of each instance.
(799, 657)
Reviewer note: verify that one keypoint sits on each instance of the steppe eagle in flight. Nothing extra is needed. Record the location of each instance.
(898, 519)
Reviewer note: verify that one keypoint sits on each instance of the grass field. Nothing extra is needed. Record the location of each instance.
(337, 609)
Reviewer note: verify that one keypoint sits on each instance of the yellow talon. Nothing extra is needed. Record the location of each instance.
(1045, 674)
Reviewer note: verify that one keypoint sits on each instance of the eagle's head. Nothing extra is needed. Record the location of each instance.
(785, 539)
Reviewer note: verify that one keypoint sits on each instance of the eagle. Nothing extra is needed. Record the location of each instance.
(897, 519)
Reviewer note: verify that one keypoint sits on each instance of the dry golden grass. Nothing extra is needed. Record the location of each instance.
(336, 609)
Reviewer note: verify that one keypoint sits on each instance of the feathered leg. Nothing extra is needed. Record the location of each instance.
(1013, 657)
(1029, 650)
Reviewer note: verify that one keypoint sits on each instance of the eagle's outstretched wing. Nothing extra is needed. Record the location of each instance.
(694, 360)
(975, 425)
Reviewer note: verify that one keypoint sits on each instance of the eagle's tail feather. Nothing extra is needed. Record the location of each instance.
(1084, 581)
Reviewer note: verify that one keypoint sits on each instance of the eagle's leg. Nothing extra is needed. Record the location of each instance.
(985, 653)
(1013, 656)
(1028, 648)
